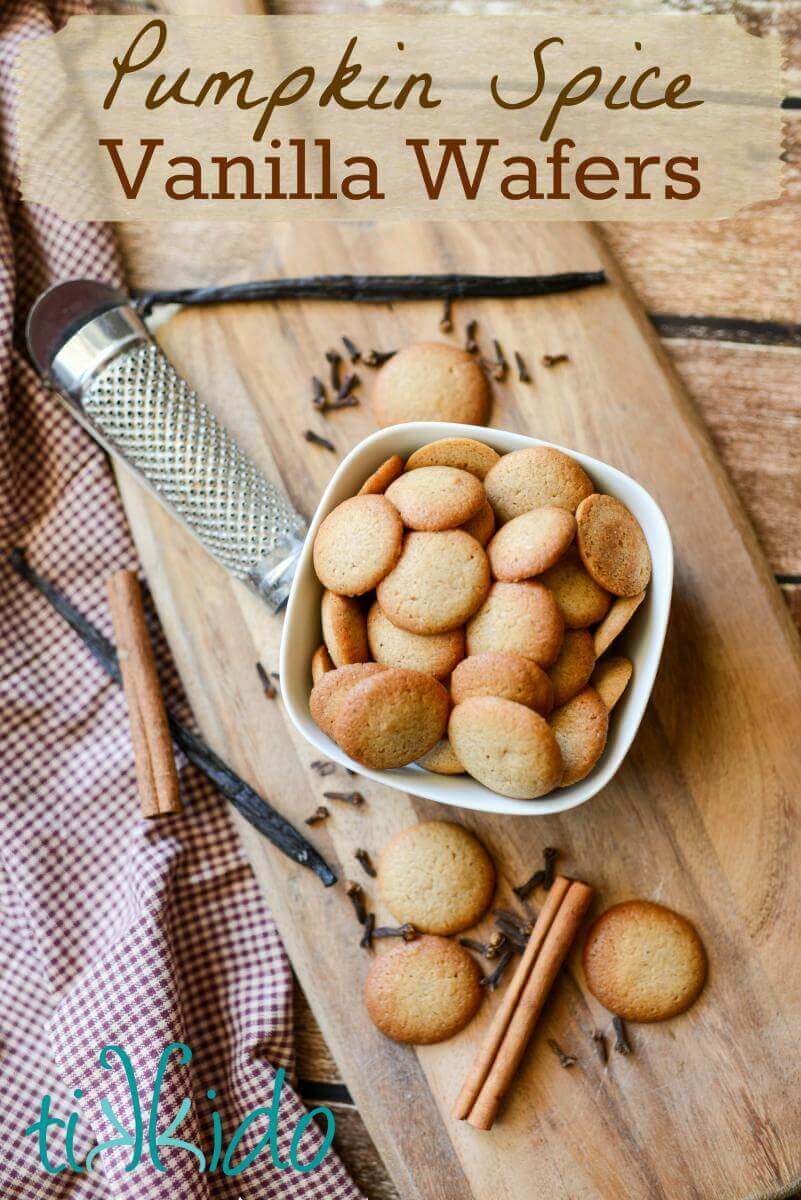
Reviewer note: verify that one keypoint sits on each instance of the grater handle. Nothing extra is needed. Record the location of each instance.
(124, 390)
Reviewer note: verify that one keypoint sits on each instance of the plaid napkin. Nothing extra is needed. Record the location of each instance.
(113, 931)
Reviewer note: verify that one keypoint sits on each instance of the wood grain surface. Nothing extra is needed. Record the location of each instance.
(703, 815)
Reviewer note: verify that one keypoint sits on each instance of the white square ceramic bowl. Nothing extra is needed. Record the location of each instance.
(642, 640)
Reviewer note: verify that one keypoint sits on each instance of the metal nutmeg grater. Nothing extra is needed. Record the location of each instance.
(90, 344)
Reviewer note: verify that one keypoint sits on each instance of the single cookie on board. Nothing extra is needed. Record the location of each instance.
(436, 876)
(538, 475)
(612, 545)
(580, 727)
(431, 381)
(465, 453)
(611, 678)
(522, 618)
(440, 580)
(506, 746)
(344, 629)
(582, 601)
(392, 718)
(320, 664)
(436, 498)
(644, 962)
(482, 525)
(382, 477)
(572, 669)
(510, 676)
(531, 543)
(357, 544)
(616, 621)
(441, 760)
(331, 690)
(434, 653)
(423, 991)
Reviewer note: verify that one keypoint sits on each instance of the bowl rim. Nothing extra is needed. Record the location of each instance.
(414, 779)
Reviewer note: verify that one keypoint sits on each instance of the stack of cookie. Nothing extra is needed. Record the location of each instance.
(469, 600)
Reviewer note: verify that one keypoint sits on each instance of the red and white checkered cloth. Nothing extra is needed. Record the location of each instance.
(112, 929)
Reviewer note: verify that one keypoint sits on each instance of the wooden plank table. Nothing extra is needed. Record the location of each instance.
(726, 302)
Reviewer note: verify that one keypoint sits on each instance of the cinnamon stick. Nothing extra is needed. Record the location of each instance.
(528, 1001)
(156, 776)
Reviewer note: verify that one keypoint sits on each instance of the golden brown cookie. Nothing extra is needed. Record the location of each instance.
(431, 381)
(611, 678)
(616, 621)
(436, 497)
(580, 598)
(572, 669)
(465, 453)
(435, 653)
(391, 718)
(357, 544)
(506, 746)
(482, 525)
(580, 727)
(538, 475)
(440, 580)
(612, 545)
(321, 663)
(644, 962)
(441, 760)
(331, 690)
(382, 477)
(436, 876)
(344, 629)
(423, 991)
(531, 543)
(522, 618)
(510, 676)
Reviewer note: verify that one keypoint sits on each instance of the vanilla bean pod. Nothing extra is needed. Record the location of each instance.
(253, 807)
(376, 289)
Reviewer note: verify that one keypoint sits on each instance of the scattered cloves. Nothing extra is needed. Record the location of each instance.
(354, 353)
(320, 814)
(522, 369)
(600, 1045)
(500, 366)
(366, 940)
(323, 766)
(492, 980)
(317, 440)
(446, 320)
(377, 358)
(565, 1060)
(363, 858)
(470, 341)
(622, 1043)
(269, 688)
(407, 932)
(355, 894)
(334, 360)
(553, 360)
(354, 798)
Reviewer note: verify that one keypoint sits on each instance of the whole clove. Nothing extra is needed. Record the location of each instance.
(366, 940)
(492, 980)
(267, 683)
(600, 1045)
(354, 353)
(318, 394)
(355, 894)
(377, 358)
(446, 320)
(522, 369)
(344, 398)
(470, 341)
(354, 798)
(499, 366)
(622, 1043)
(323, 766)
(553, 360)
(512, 934)
(521, 925)
(543, 877)
(363, 858)
(321, 813)
(317, 440)
(565, 1060)
(334, 360)
(490, 949)
(407, 932)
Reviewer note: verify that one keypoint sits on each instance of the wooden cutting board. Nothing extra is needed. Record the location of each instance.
(704, 815)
